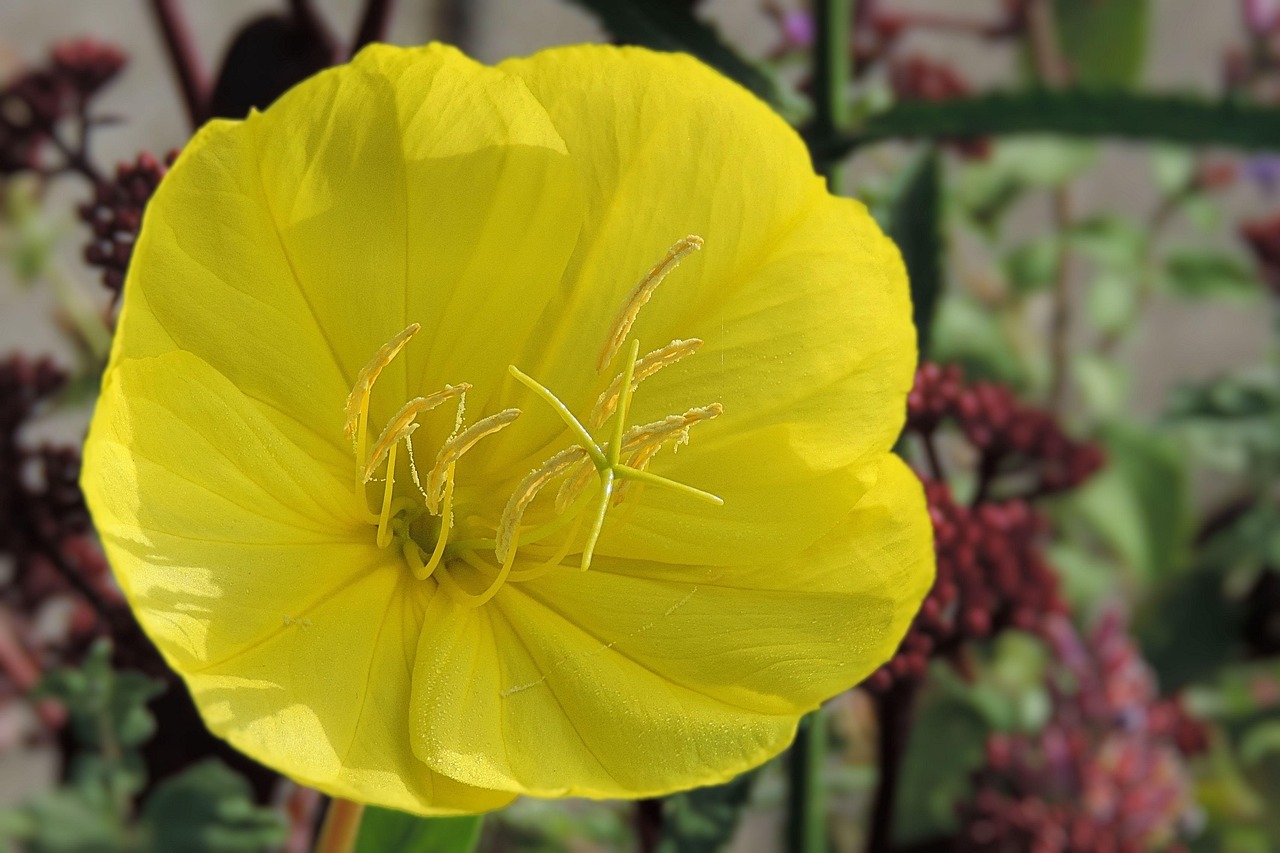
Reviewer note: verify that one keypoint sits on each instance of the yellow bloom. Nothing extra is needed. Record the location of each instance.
(387, 477)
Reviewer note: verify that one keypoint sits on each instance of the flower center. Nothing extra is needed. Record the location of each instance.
(422, 526)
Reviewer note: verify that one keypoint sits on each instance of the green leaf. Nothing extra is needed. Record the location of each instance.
(1202, 210)
(947, 744)
(915, 223)
(1201, 274)
(68, 819)
(1111, 241)
(1236, 693)
(1183, 119)
(107, 708)
(209, 809)
(1259, 741)
(1044, 162)
(985, 190)
(1247, 544)
(1174, 168)
(1104, 40)
(1112, 302)
(1087, 579)
(1139, 504)
(31, 238)
(968, 334)
(1104, 384)
(671, 25)
(1033, 266)
(385, 829)
(1233, 422)
(1188, 629)
(704, 819)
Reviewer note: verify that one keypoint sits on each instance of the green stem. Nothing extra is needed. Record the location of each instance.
(806, 797)
(832, 70)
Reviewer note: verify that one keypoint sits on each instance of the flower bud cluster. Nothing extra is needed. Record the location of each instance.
(1106, 773)
(53, 564)
(1263, 238)
(115, 215)
(991, 570)
(991, 576)
(35, 101)
(1012, 440)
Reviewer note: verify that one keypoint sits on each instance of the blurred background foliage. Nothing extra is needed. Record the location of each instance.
(1098, 664)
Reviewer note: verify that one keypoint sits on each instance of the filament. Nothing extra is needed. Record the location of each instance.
(455, 447)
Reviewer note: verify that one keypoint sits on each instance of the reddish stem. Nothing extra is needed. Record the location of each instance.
(25, 672)
(952, 23)
(183, 58)
(373, 24)
(893, 713)
(648, 823)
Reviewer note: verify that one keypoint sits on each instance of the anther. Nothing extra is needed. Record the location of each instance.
(402, 424)
(646, 366)
(528, 489)
(453, 449)
(641, 294)
(357, 407)
(646, 439)
(578, 478)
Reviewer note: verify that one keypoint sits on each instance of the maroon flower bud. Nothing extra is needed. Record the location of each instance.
(88, 64)
(115, 215)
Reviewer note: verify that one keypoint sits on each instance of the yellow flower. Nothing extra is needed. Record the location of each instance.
(387, 477)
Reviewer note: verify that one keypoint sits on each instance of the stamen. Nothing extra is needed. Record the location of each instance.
(413, 465)
(453, 449)
(384, 526)
(460, 417)
(472, 600)
(402, 424)
(655, 435)
(577, 481)
(648, 365)
(528, 489)
(357, 407)
(446, 524)
(555, 560)
(641, 294)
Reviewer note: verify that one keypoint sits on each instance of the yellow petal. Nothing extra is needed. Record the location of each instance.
(326, 700)
(801, 300)
(251, 568)
(493, 206)
(286, 249)
(663, 677)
